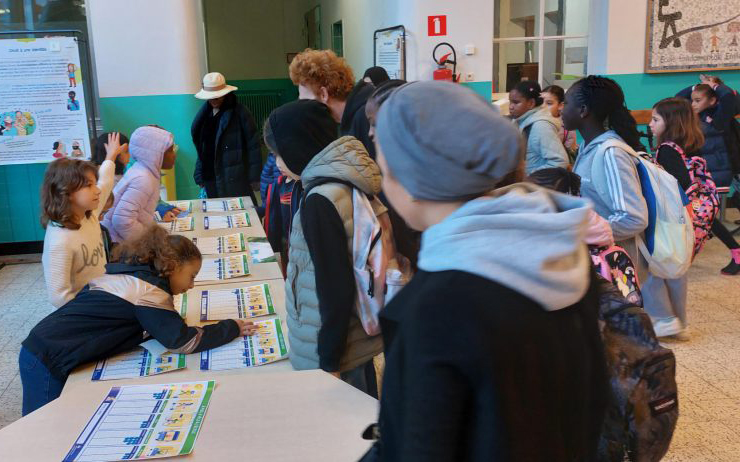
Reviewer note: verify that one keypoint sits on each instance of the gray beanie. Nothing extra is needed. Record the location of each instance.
(443, 142)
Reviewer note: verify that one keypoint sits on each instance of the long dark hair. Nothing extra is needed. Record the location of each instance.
(605, 100)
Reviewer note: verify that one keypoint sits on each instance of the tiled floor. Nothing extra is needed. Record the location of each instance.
(708, 364)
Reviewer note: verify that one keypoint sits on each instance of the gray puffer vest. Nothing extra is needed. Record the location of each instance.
(345, 159)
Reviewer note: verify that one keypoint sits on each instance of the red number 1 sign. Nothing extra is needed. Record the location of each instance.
(437, 25)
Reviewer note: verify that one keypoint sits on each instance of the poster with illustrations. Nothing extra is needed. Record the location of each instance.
(237, 220)
(42, 101)
(266, 346)
(223, 205)
(690, 35)
(218, 269)
(138, 422)
(138, 362)
(240, 303)
(231, 243)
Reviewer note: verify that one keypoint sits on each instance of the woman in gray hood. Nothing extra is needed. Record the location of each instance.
(493, 349)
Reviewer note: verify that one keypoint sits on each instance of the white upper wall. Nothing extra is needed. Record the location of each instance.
(617, 37)
(146, 47)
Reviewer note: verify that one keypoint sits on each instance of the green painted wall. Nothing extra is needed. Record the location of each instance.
(174, 113)
(484, 89)
(644, 90)
(19, 202)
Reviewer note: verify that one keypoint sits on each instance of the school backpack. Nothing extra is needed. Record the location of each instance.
(615, 265)
(380, 271)
(642, 409)
(669, 237)
(702, 194)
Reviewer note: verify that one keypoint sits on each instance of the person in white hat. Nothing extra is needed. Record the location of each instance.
(227, 140)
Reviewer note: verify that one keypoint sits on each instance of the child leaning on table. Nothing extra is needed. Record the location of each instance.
(72, 196)
(115, 312)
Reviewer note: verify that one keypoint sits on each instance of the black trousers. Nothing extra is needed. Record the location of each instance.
(723, 234)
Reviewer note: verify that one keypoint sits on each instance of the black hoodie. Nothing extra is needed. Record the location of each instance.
(354, 120)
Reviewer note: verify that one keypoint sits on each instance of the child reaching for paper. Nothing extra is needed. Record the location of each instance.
(73, 195)
(117, 311)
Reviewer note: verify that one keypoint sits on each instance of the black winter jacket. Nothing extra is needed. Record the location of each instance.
(717, 123)
(111, 314)
(476, 371)
(238, 160)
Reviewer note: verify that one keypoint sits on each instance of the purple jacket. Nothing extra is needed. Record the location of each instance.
(137, 194)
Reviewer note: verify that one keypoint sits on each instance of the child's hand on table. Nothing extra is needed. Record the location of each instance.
(246, 327)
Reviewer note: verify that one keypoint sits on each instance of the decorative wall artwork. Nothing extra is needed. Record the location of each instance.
(692, 35)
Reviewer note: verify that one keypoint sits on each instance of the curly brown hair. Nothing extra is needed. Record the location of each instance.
(63, 178)
(681, 124)
(159, 249)
(323, 68)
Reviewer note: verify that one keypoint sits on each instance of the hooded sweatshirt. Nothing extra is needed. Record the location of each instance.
(495, 343)
(544, 146)
(137, 194)
(354, 121)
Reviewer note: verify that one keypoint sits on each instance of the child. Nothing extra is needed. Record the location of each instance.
(502, 267)
(716, 106)
(294, 133)
(554, 99)
(137, 194)
(118, 310)
(72, 196)
(608, 176)
(541, 130)
(122, 159)
(324, 328)
(678, 135)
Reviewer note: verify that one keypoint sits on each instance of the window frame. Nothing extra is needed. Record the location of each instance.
(538, 39)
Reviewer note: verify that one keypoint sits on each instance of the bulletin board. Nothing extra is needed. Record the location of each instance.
(692, 35)
(389, 46)
(43, 100)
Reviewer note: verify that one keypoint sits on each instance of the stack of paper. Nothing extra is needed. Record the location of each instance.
(219, 205)
(238, 220)
(266, 346)
(217, 269)
(240, 303)
(232, 243)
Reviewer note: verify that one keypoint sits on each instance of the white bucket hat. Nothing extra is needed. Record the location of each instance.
(214, 86)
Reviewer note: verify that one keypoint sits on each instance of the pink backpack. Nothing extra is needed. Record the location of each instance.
(702, 194)
(615, 265)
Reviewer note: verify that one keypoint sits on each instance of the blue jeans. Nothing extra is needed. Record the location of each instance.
(39, 386)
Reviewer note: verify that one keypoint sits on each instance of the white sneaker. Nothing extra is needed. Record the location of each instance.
(667, 327)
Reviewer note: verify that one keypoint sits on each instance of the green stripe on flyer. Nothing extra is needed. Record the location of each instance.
(184, 305)
(245, 265)
(268, 299)
(281, 340)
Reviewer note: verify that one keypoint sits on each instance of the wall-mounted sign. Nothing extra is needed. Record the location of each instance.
(390, 51)
(437, 25)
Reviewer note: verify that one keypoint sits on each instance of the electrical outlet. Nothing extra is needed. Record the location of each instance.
(469, 77)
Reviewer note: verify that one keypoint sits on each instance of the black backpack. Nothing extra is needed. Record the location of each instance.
(643, 403)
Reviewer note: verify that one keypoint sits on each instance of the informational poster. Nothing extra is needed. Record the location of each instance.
(139, 422)
(138, 362)
(218, 269)
(237, 220)
(231, 243)
(218, 205)
(240, 303)
(261, 250)
(390, 51)
(42, 101)
(691, 35)
(179, 225)
(266, 346)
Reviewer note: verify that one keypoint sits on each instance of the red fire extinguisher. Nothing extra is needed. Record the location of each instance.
(443, 72)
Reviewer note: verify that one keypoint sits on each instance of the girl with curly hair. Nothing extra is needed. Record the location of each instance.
(116, 311)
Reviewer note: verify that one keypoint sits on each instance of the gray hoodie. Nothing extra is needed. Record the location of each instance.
(610, 180)
(524, 237)
(544, 146)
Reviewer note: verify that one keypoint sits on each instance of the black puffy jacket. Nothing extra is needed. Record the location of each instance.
(238, 159)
